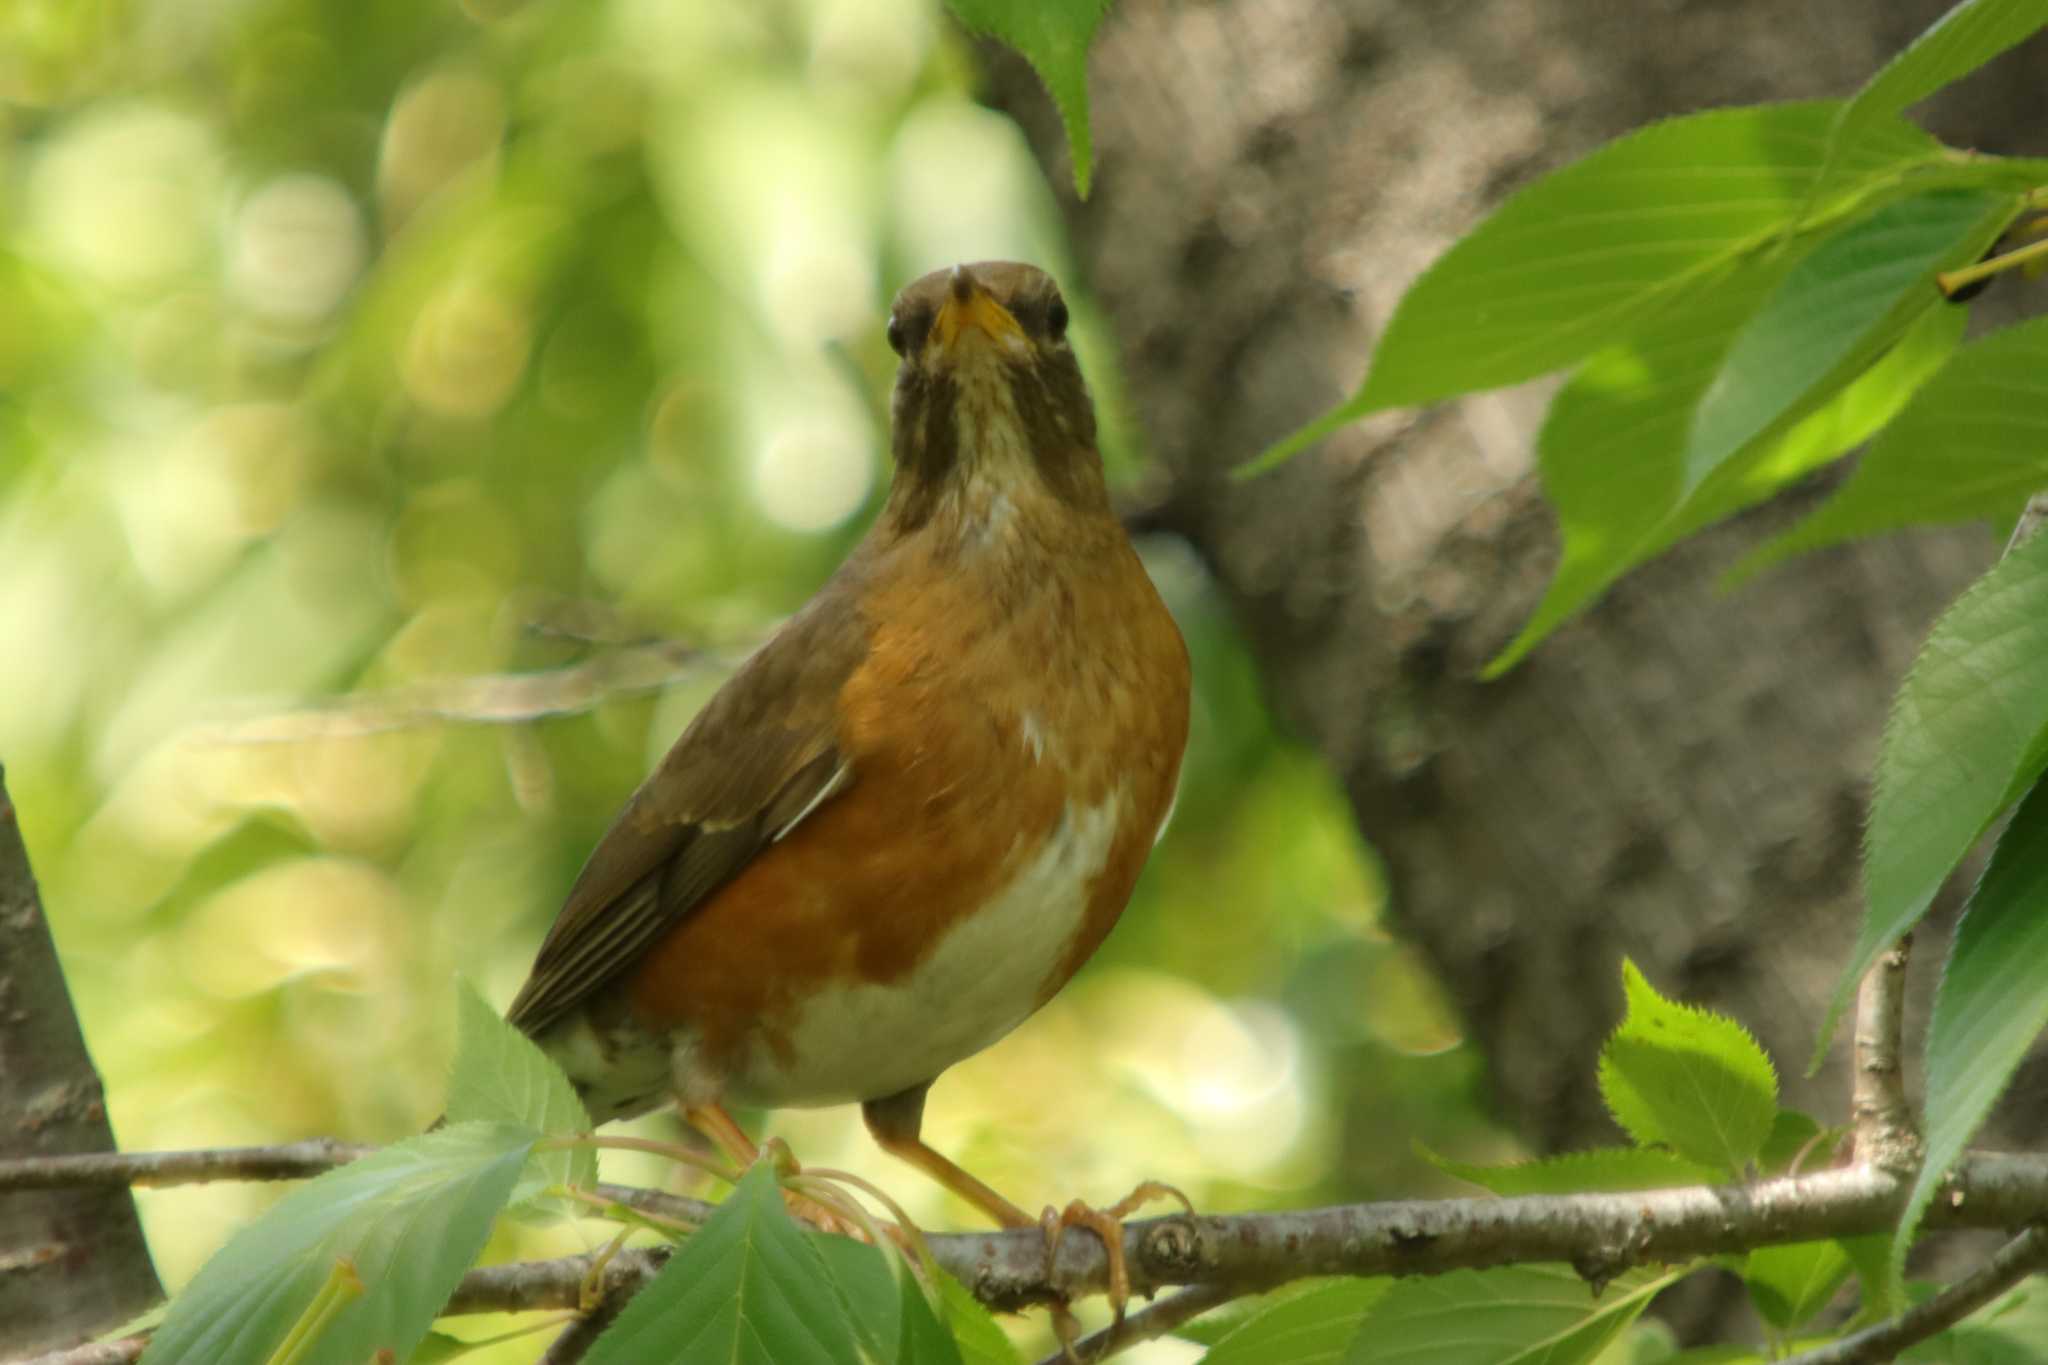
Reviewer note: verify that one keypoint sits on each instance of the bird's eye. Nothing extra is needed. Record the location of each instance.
(1056, 319)
(895, 334)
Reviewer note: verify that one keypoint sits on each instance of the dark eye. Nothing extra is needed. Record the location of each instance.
(1056, 319)
(895, 334)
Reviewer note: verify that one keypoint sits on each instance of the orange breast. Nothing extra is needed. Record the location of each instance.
(1015, 741)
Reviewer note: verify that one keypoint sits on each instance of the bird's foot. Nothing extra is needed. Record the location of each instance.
(1108, 1224)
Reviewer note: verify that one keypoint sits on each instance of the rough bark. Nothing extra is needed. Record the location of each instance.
(72, 1261)
(1679, 776)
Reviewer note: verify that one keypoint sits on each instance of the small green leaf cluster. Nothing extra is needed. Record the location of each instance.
(361, 1260)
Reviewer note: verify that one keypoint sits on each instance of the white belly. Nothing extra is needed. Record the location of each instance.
(857, 1041)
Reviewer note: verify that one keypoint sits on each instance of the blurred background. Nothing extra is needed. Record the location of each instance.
(408, 414)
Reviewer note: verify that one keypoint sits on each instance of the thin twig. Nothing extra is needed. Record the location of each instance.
(2014, 1261)
(1147, 1324)
(126, 1351)
(1885, 1133)
(290, 1161)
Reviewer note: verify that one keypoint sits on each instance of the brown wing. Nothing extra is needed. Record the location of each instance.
(758, 758)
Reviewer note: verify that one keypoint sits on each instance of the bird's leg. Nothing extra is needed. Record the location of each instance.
(714, 1122)
(895, 1122)
(1108, 1224)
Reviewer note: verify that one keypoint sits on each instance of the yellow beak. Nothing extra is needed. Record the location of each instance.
(970, 306)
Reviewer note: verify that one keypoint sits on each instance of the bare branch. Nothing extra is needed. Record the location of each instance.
(1885, 1133)
(126, 1351)
(2013, 1262)
(1600, 1234)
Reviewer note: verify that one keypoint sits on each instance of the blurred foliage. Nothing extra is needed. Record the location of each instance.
(373, 378)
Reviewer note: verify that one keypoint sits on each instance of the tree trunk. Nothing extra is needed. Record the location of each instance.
(1680, 776)
(72, 1262)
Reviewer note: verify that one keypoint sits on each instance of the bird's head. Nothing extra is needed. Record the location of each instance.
(988, 392)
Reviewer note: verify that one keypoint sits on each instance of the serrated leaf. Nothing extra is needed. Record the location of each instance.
(1313, 1327)
(1687, 1079)
(980, 1338)
(410, 1218)
(1790, 1283)
(1603, 1169)
(1054, 36)
(1516, 1315)
(500, 1076)
(1834, 314)
(747, 1288)
(1612, 444)
(1990, 1005)
(1578, 260)
(1959, 42)
(1964, 740)
(1972, 444)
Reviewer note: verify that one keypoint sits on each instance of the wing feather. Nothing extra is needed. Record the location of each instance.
(761, 756)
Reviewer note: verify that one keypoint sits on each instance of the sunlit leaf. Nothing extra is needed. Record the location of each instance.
(1972, 444)
(1991, 1004)
(1612, 446)
(499, 1076)
(410, 1219)
(1583, 257)
(747, 1288)
(1053, 35)
(980, 1338)
(1959, 42)
(1837, 310)
(1965, 739)
(1687, 1079)
(1516, 1315)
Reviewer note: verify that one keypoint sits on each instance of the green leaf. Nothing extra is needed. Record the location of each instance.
(1517, 1315)
(867, 1289)
(1972, 444)
(1835, 313)
(980, 1338)
(1313, 1327)
(1789, 1284)
(1687, 1079)
(410, 1218)
(747, 1288)
(1963, 742)
(1581, 258)
(1959, 42)
(1871, 1255)
(499, 1076)
(1054, 36)
(1611, 450)
(1607, 1168)
(921, 1339)
(1797, 1137)
(1990, 1005)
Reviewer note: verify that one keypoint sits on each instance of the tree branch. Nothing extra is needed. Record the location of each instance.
(1598, 1234)
(1885, 1133)
(1147, 1324)
(2013, 1262)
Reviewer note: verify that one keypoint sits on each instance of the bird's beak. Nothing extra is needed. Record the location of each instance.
(970, 307)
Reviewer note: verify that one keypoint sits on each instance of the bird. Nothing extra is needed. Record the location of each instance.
(911, 815)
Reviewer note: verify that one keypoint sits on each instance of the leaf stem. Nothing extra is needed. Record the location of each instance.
(1952, 280)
